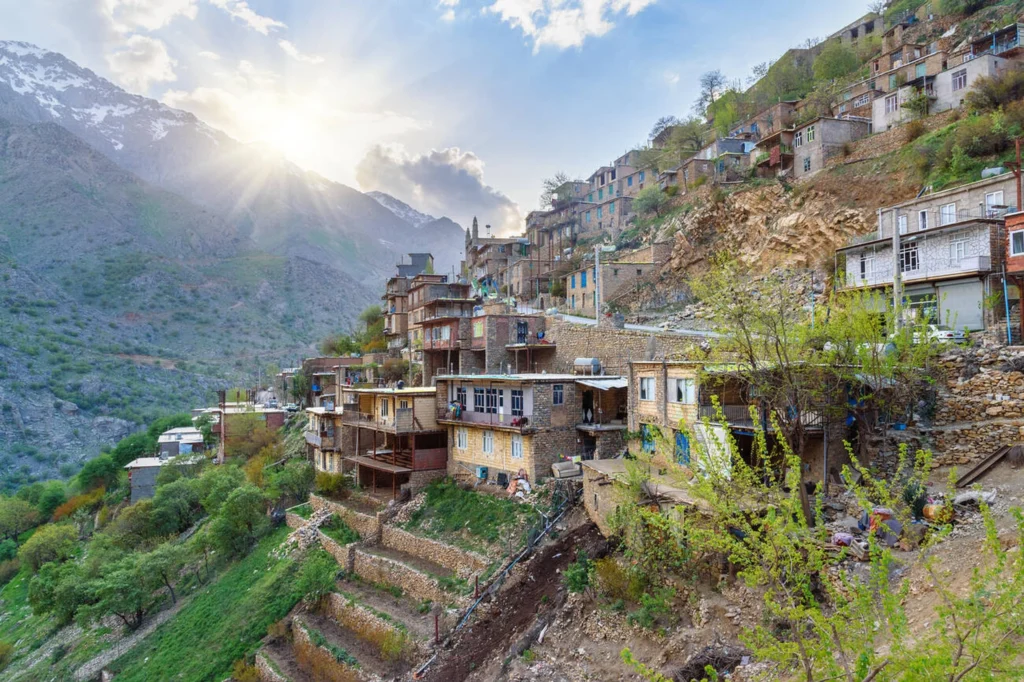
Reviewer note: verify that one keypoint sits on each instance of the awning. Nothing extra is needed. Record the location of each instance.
(604, 384)
(372, 463)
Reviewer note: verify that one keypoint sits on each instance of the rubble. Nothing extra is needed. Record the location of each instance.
(305, 536)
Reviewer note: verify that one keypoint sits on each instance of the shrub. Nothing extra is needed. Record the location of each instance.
(914, 130)
(611, 578)
(578, 573)
(84, 501)
(242, 671)
(99, 472)
(331, 485)
(317, 576)
(8, 569)
(653, 606)
(672, 190)
(293, 481)
(700, 181)
(6, 654)
(52, 542)
(8, 550)
(52, 497)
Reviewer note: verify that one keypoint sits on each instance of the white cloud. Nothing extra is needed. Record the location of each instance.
(564, 23)
(449, 9)
(128, 15)
(294, 53)
(239, 9)
(448, 15)
(141, 60)
(672, 78)
(442, 182)
(206, 54)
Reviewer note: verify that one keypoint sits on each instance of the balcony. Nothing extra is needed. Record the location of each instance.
(498, 421)
(401, 422)
(312, 438)
(445, 344)
(738, 417)
(882, 273)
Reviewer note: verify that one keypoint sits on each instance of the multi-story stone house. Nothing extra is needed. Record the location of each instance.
(820, 139)
(391, 438)
(1014, 254)
(424, 289)
(323, 438)
(618, 272)
(396, 314)
(446, 327)
(949, 243)
(419, 264)
(774, 153)
(501, 423)
(853, 33)
(780, 116)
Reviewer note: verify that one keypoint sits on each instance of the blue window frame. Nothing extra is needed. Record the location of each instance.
(572, 282)
(641, 176)
(647, 438)
(583, 279)
(600, 194)
(598, 212)
(682, 448)
(611, 208)
(629, 181)
(590, 197)
(588, 216)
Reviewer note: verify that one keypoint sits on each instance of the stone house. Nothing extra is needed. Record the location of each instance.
(1014, 255)
(780, 116)
(618, 272)
(422, 290)
(773, 154)
(818, 140)
(445, 323)
(504, 423)
(180, 441)
(950, 242)
(391, 438)
(142, 473)
(419, 264)
(396, 313)
(323, 438)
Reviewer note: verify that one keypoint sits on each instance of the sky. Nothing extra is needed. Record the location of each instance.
(458, 107)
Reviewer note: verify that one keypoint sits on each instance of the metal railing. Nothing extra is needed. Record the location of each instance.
(739, 416)
(401, 422)
(506, 421)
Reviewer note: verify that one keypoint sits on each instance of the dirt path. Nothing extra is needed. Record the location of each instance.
(517, 607)
(91, 669)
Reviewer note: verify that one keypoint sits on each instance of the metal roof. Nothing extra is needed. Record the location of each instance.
(604, 384)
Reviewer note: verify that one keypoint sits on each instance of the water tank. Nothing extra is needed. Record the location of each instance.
(481, 473)
(590, 366)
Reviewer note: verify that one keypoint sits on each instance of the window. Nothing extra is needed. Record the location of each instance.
(494, 399)
(517, 402)
(478, 329)
(908, 257)
(958, 245)
(959, 79)
(807, 164)
(862, 100)
(682, 448)
(682, 391)
(641, 176)
(646, 388)
(461, 439)
(892, 86)
(842, 108)
(922, 220)
(517, 446)
(647, 438)
(587, 216)
(901, 222)
(611, 208)
(992, 200)
(460, 396)
(920, 71)
(798, 139)
(572, 282)
(558, 394)
(615, 272)
(867, 265)
(1017, 243)
(892, 104)
(478, 400)
(629, 181)
(403, 404)
(600, 194)
(810, 133)
(574, 301)
(488, 442)
(598, 212)
(947, 214)
(590, 197)
(583, 279)
(384, 407)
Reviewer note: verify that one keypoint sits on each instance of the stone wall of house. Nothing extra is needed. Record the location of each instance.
(364, 524)
(887, 141)
(418, 585)
(980, 407)
(293, 520)
(265, 670)
(463, 562)
(614, 347)
(600, 498)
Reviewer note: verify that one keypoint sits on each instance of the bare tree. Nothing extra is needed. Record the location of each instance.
(549, 196)
(661, 124)
(877, 7)
(712, 85)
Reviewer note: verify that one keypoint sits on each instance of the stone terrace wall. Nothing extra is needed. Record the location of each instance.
(266, 671)
(614, 347)
(364, 622)
(981, 406)
(888, 141)
(343, 554)
(364, 524)
(302, 640)
(417, 584)
(293, 520)
(464, 563)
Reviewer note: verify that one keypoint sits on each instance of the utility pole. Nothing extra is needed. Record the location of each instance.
(598, 293)
(897, 275)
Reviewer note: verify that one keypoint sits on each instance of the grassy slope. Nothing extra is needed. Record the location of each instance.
(222, 623)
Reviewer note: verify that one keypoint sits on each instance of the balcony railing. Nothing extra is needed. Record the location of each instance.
(313, 438)
(401, 422)
(504, 421)
(882, 273)
(738, 416)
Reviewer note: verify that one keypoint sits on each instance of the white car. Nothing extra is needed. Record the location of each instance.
(940, 333)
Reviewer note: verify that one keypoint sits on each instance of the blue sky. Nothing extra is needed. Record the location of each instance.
(457, 106)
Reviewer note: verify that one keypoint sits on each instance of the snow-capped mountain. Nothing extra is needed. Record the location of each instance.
(402, 209)
(281, 207)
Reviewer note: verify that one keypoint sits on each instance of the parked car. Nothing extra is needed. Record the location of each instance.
(291, 407)
(940, 333)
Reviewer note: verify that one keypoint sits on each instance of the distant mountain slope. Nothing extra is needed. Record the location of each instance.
(282, 208)
(121, 301)
(444, 237)
(402, 209)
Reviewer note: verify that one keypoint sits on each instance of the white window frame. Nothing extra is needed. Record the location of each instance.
(647, 389)
(518, 402)
(384, 407)
(682, 391)
(517, 446)
(798, 139)
(958, 245)
(901, 223)
(990, 201)
(1017, 251)
(909, 256)
(488, 443)
(947, 214)
(892, 103)
(922, 220)
(479, 402)
(460, 397)
(461, 439)
(867, 265)
(959, 80)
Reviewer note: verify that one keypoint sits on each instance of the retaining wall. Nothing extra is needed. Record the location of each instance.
(293, 520)
(266, 671)
(463, 562)
(343, 554)
(366, 624)
(364, 524)
(419, 585)
(302, 640)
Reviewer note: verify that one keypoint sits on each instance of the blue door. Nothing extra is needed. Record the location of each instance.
(682, 448)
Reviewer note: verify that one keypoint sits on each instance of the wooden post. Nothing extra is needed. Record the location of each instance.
(437, 629)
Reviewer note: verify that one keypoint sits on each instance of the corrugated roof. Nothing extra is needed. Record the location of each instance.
(604, 384)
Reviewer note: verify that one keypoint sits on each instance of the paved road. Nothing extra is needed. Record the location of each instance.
(573, 319)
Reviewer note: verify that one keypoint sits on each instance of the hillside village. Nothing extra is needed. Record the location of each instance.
(746, 403)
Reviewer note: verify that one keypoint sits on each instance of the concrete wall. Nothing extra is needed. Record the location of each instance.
(967, 198)
(143, 483)
(830, 137)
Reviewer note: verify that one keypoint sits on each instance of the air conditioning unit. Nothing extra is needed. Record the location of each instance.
(481, 473)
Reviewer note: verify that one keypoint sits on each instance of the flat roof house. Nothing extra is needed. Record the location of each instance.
(181, 441)
(817, 141)
(949, 244)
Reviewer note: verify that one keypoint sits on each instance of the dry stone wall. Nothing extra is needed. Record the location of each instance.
(888, 141)
(265, 670)
(364, 524)
(365, 623)
(343, 554)
(419, 585)
(981, 406)
(293, 520)
(464, 563)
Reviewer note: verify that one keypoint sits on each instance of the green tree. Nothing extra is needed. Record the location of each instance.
(204, 423)
(57, 589)
(650, 200)
(52, 542)
(317, 576)
(292, 481)
(134, 527)
(165, 563)
(132, 447)
(124, 590)
(16, 516)
(836, 60)
(99, 472)
(301, 384)
(241, 521)
(54, 495)
(216, 484)
(176, 506)
(549, 196)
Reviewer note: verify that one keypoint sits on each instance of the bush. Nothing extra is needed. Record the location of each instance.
(99, 472)
(8, 569)
(293, 481)
(85, 501)
(242, 671)
(52, 497)
(914, 130)
(652, 607)
(6, 654)
(339, 531)
(8, 550)
(317, 576)
(611, 578)
(241, 521)
(52, 542)
(331, 485)
(578, 574)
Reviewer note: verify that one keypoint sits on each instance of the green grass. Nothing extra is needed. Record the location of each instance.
(339, 531)
(303, 510)
(340, 655)
(464, 516)
(224, 621)
(18, 625)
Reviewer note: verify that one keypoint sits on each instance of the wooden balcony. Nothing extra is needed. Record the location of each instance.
(401, 422)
